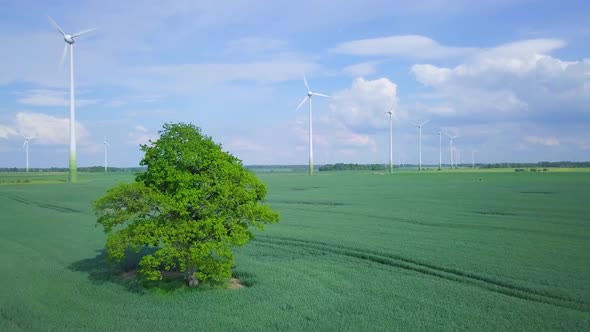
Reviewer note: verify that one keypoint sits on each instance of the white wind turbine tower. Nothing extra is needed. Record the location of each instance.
(26, 147)
(309, 95)
(106, 144)
(473, 158)
(70, 40)
(451, 138)
(391, 115)
(440, 150)
(420, 143)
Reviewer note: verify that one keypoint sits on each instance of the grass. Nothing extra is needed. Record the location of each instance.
(353, 251)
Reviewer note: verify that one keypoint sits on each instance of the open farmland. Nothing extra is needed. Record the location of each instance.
(353, 251)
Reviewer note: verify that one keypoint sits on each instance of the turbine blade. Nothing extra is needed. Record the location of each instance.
(305, 81)
(320, 94)
(56, 26)
(25, 143)
(83, 32)
(425, 122)
(302, 102)
(64, 54)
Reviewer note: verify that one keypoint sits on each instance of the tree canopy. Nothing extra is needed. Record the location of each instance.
(192, 205)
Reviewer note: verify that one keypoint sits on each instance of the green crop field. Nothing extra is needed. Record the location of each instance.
(468, 250)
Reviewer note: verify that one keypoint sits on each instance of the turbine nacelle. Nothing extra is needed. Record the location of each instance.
(309, 94)
(69, 39)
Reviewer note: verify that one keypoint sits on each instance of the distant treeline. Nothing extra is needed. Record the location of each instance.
(542, 164)
(93, 169)
(327, 167)
(352, 167)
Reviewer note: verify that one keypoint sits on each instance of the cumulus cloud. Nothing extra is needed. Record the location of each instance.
(47, 128)
(410, 46)
(351, 126)
(363, 106)
(518, 76)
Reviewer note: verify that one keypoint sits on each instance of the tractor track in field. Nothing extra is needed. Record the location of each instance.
(452, 225)
(42, 205)
(428, 269)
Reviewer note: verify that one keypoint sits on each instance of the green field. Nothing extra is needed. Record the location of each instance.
(353, 251)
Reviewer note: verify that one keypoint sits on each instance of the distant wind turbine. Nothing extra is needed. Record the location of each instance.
(439, 150)
(70, 40)
(473, 158)
(420, 142)
(106, 144)
(391, 115)
(451, 138)
(309, 95)
(26, 147)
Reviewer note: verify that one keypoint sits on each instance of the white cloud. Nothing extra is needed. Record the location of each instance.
(46, 97)
(140, 135)
(351, 128)
(513, 59)
(518, 76)
(364, 104)
(189, 77)
(141, 129)
(411, 46)
(546, 141)
(47, 128)
(361, 69)
(7, 132)
(431, 75)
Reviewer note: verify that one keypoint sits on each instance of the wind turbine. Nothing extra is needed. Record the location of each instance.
(391, 115)
(106, 144)
(451, 138)
(440, 150)
(473, 158)
(309, 95)
(70, 40)
(420, 142)
(26, 147)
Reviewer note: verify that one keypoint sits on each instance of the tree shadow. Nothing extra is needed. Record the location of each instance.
(100, 271)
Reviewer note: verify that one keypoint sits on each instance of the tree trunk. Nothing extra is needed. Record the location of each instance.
(191, 278)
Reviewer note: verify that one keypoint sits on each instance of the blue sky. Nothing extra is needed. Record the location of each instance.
(511, 78)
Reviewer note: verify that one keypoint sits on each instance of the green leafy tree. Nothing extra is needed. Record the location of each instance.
(192, 205)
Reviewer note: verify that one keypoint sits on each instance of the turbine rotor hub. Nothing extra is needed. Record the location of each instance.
(69, 39)
(309, 93)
